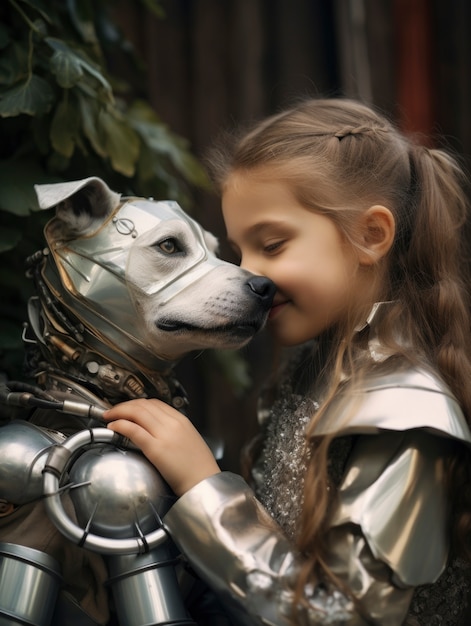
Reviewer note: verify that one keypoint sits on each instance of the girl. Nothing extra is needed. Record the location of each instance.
(358, 509)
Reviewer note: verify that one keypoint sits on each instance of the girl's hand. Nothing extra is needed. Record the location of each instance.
(167, 438)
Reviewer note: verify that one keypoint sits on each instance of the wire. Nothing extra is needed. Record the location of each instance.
(26, 399)
(15, 385)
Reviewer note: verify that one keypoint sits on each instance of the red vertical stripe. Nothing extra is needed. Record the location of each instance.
(414, 66)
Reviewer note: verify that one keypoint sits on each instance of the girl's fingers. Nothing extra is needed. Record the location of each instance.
(135, 433)
(149, 414)
(167, 438)
(134, 409)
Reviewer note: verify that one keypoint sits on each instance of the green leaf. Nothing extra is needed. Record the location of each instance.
(160, 140)
(82, 60)
(13, 64)
(33, 97)
(121, 143)
(191, 168)
(67, 68)
(65, 128)
(81, 14)
(57, 162)
(89, 110)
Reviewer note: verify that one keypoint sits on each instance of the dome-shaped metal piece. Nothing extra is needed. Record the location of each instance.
(121, 495)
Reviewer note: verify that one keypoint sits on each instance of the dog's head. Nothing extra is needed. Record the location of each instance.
(144, 276)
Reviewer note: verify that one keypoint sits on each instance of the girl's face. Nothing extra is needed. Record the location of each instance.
(315, 270)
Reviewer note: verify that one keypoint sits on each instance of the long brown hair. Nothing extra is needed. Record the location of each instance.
(339, 157)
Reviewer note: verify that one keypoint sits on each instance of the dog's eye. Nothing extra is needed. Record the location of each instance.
(169, 246)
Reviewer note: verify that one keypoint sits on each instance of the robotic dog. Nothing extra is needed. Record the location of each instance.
(125, 287)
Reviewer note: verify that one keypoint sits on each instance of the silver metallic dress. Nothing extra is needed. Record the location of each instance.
(388, 540)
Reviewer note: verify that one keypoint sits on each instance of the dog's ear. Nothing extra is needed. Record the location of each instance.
(211, 241)
(81, 205)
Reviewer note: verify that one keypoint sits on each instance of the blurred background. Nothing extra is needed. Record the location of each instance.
(202, 66)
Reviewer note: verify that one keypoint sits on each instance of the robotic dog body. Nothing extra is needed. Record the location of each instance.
(125, 288)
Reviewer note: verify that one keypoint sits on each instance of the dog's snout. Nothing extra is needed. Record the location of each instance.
(263, 287)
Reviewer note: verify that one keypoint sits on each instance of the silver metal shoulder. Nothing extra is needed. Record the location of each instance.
(406, 397)
(394, 493)
(402, 400)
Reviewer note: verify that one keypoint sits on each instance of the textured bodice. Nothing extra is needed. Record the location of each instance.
(278, 477)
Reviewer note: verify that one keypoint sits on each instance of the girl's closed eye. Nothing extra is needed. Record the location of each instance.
(273, 247)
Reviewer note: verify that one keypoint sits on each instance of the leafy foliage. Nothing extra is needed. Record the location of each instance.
(64, 116)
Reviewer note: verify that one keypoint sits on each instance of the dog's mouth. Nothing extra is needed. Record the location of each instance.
(241, 330)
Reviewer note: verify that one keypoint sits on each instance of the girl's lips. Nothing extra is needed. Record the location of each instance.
(276, 309)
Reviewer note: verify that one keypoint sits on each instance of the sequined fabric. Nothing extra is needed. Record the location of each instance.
(446, 602)
(279, 472)
(278, 475)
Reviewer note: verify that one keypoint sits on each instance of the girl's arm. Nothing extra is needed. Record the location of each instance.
(237, 548)
(226, 534)
(388, 537)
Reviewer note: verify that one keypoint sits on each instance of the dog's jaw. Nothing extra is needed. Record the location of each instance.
(223, 308)
(145, 280)
(237, 330)
(228, 336)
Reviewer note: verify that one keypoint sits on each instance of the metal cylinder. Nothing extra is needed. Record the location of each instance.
(145, 589)
(29, 585)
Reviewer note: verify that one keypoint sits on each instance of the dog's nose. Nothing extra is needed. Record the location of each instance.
(263, 287)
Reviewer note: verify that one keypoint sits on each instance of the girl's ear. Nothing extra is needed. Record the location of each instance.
(378, 230)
